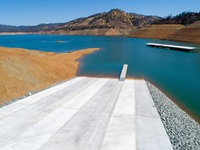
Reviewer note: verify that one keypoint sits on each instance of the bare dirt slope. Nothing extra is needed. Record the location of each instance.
(189, 34)
(23, 71)
(156, 31)
(108, 32)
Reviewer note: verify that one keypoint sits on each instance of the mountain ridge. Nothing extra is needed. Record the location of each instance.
(114, 19)
(118, 22)
(184, 18)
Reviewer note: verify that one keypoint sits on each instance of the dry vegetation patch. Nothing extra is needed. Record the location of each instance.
(23, 71)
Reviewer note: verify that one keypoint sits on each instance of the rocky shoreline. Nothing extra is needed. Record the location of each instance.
(183, 131)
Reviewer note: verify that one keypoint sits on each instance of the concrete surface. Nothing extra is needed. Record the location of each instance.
(123, 72)
(171, 46)
(85, 114)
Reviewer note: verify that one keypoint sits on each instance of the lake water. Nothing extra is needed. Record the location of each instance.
(176, 73)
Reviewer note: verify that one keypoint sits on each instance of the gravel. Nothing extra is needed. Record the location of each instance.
(183, 131)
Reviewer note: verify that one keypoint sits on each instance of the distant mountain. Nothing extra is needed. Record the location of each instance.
(118, 22)
(184, 27)
(8, 28)
(114, 19)
(185, 18)
(102, 23)
(40, 27)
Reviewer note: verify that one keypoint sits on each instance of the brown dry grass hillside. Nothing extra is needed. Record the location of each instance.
(23, 71)
(156, 31)
(114, 22)
(108, 32)
(189, 34)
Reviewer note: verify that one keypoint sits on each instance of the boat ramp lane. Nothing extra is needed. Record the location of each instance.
(85, 113)
(175, 47)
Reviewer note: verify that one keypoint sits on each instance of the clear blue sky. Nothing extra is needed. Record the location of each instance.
(32, 12)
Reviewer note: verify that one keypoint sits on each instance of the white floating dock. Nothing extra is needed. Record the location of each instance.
(85, 114)
(175, 47)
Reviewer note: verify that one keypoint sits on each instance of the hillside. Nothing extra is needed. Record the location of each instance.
(118, 22)
(91, 32)
(23, 71)
(8, 28)
(189, 34)
(115, 19)
(114, 22)
(184, 18)
(155, 31)
(40, 27)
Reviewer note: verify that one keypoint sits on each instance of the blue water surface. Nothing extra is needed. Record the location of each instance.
(176, 73)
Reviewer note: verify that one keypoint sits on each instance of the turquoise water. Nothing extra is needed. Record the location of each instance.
(176, 73)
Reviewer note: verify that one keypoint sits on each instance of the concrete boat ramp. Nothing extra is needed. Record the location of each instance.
(85, 113)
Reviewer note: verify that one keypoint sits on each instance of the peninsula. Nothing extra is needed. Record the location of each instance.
(26, 71)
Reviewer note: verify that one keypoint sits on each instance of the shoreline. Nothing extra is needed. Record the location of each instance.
(27, 71)
(170, 97)
(13, 33)
(164, 92)
(183, 130)
(174, 101)
(126, 36)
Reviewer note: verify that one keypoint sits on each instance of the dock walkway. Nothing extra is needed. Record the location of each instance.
(174, 47)
(85, 114)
